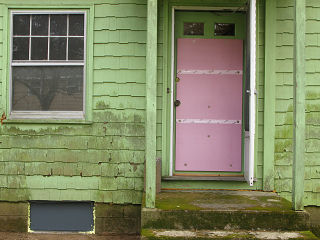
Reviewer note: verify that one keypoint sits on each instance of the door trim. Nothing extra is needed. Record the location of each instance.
(249, 174)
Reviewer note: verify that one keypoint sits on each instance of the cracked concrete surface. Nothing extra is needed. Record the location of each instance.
(60, 236)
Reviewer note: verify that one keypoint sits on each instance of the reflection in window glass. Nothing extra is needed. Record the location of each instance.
(61, 46)
(47, 88)
(76, 49)
(21, 25)
(40, 25)
(77, 23)
(47, 62)
(193, 28)
(58, 25)
(39, 48)
(224, 29)
(58, 48)
(20, 48)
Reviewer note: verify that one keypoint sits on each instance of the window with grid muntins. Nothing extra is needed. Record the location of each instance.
(48, 63)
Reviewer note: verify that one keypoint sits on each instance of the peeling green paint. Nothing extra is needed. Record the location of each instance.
(99, 160)
(312, 95)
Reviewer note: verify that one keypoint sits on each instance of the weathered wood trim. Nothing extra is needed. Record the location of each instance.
(151, 103)
(165, 164)
(299, 105)
(269, 96)
(5, 66)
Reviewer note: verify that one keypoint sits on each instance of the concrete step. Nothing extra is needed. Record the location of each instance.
(225, 235)
(223, 210)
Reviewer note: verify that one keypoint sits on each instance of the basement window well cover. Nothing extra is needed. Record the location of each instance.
(61, 216)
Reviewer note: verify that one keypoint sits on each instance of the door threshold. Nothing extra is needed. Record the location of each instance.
(204, 178)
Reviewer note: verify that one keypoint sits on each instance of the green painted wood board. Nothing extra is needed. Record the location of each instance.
(151, 104)
(269, 96)
(299, 106)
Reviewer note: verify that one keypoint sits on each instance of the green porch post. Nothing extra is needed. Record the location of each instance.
(269, 96)
(151, 105)
(299, 105)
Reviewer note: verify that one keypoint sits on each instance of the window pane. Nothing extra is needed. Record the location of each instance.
(76, 49)
(20, 48)
(76, 25)
(58, 88)
(192, 28)
(21, 24)
(58, 48)
(58, 25)
(39, 25)
(39, 48)
(224, 29)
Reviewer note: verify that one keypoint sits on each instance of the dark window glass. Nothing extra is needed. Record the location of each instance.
(76, 25)
(58, 25)
(224, 29)
(76, 49)
(21, 24)
(192, 28)
(58, 48)
(49, 88)
(39, 48)
(20, 48)
(40, 25)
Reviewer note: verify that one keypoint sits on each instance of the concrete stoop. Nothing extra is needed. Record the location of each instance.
(205, 215)
(224, 235)
(223, 210)
(223, 220)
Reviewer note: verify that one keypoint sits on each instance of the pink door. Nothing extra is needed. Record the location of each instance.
(208, 120)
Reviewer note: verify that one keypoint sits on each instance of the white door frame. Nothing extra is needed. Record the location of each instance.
(249, 161)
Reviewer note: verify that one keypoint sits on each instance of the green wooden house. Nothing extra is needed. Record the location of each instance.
(101, 97)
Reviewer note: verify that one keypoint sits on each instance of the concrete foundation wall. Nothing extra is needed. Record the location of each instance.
(109, 218)
(14, 217)
(117, 219)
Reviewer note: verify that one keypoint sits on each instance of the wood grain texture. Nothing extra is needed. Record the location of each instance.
(299, 106)
(269, 96)
(151, 104)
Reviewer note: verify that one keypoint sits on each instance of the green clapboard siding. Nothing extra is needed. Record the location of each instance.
(284, 98)
(284, 101)
(102, 160)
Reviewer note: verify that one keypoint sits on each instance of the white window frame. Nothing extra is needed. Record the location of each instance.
(48, 114)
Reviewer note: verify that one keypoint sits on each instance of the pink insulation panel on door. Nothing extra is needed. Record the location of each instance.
(208, 121)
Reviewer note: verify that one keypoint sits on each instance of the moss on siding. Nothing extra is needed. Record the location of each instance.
(312, 173)
(284, 98)
(102, 161)
(284, 106)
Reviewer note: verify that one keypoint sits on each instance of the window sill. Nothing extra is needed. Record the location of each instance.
(47, 121)
(47, 118)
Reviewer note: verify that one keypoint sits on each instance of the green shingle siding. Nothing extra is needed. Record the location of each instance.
(284, 101)
(284, 98)
(102, 161)
(312, 160)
